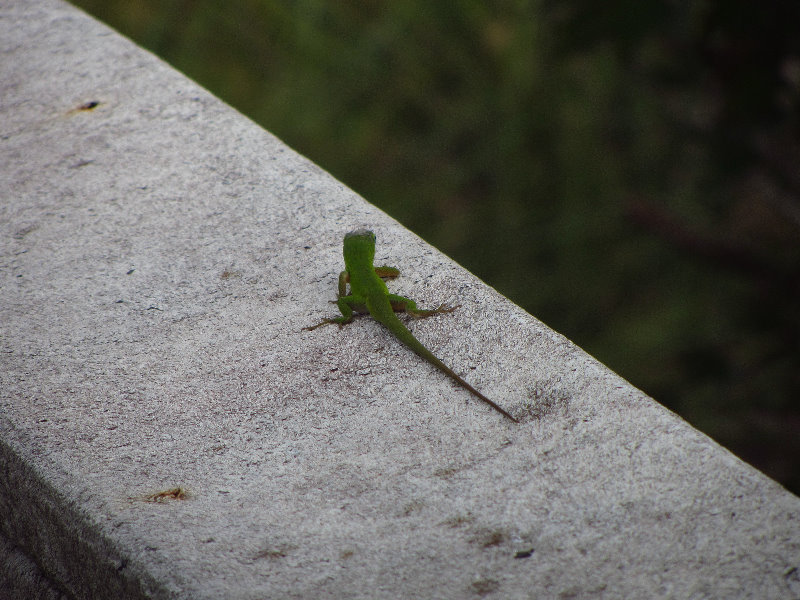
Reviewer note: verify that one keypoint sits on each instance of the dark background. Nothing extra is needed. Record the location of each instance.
(627, 171)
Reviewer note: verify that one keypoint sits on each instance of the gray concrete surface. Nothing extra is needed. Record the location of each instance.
(159, 256)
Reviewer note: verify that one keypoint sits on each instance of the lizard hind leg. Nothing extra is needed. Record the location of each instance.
(345, 304)
(407, 305)
(442, 308)
(338, 321)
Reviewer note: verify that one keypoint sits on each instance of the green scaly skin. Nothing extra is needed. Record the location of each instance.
(368, 293)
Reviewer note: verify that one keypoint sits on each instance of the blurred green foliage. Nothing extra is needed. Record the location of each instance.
(626, 171)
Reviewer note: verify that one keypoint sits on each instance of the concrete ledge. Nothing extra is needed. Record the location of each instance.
(167, 430)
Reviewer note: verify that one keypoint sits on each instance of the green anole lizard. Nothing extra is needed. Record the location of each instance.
(368, 293)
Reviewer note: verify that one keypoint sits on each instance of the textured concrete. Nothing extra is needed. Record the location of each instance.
(159, 256)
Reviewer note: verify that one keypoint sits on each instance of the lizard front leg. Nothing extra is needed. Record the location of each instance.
(385, 272)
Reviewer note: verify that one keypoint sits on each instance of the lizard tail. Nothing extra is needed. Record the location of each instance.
(414, 344)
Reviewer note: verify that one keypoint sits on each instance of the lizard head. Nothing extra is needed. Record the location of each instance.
(360, 242)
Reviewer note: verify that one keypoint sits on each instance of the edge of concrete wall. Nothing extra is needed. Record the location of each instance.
(160, 255)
